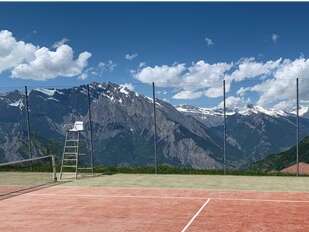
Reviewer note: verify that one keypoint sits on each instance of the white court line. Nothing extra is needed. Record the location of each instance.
(259, 200)
(195, 215)
(164, 197)
(117, 196)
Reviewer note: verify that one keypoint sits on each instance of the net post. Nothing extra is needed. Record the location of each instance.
(297, 128)
(155, 127)
(91, 129)
(54, 168)
(28, 125)
(224, 130)
(28, 180)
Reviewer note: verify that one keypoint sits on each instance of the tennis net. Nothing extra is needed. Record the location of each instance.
(18, 176)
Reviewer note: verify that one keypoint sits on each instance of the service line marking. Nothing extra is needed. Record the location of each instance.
(195, 215)
(163, 197)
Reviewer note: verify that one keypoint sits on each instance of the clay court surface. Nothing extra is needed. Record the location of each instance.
(97, 204)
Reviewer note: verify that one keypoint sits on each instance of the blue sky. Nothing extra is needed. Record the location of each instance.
(173, 37)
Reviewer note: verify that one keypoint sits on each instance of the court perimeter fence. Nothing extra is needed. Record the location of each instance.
(153, 129)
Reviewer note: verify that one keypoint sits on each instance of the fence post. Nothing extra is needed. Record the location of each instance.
(155, 127)
(224, 130)
(297, 127)
(28, 124)
(91, 128)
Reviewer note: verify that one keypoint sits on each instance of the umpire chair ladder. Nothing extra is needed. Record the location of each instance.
(71, 151)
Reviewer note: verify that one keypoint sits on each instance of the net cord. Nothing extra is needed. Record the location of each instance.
(34, 159)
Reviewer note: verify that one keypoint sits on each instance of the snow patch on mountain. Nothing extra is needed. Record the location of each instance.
(219, 111)
(124, 90)
(19, 103)
(258, 109)
(48, 92)
(303, 111)
(53, 99)
(203, 110)
(109, 97)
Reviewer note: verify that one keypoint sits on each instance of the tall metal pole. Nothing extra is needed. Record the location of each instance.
(155, 127)
(91, 128)
(297, 127)
(224, 129)
(28, 124)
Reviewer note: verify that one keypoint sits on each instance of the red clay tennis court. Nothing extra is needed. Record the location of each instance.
(76, 208)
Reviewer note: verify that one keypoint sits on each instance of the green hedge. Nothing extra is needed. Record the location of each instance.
(185, 170)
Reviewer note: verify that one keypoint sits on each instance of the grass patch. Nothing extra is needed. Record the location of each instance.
(209, 182)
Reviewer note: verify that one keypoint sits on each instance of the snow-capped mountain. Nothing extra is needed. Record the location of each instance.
(123, 128)
(208, 113)
(211, 117)
(255, 131)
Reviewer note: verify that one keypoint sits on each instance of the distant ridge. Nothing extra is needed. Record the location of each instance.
(286, 161)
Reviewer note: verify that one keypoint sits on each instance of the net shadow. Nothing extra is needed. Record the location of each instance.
(5, 196)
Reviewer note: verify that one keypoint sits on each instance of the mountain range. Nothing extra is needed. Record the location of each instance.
(255, 132)
(188, 136)
(279, 161)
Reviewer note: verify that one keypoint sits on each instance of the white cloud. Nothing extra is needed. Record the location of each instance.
(130, 56)
(250, 68)
(275, 37)
(233, 102)
(51, 64)
(163, 76)
(108, 66)
(13, 52)
(142, 64)
(242, 91)
(27, 61)
(209, 42)
(194, 81)
(83, 76)
(98, 70)
(59, 43)
(187, 94)
(281, 88)
(215, 92)
(272, 81)
(287, 105)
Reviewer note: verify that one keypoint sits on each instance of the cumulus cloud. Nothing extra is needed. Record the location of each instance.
(233, 102)
(12, 52)
(242, 91)
(250, 68)
(27, 61)
(280, 90)
(272, 82)
(274, 37)
(142, 64)
(287, 105)
(163, 76)
(194, 81)
(130, 56)
(48, 64)
(59, 43)
(209, 42)
(187, 94)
